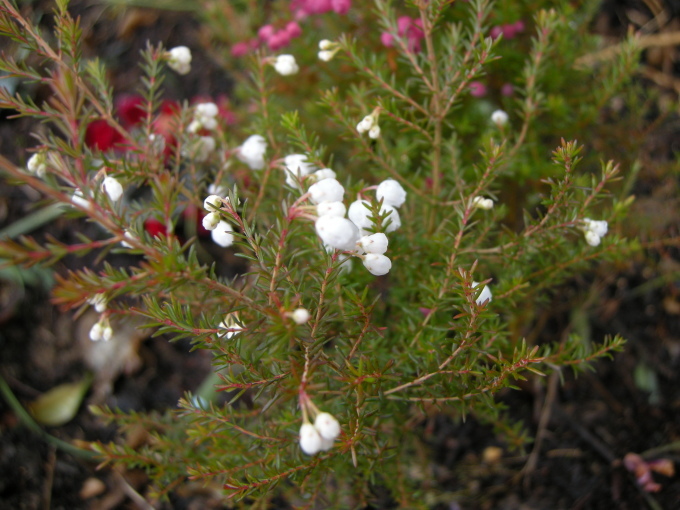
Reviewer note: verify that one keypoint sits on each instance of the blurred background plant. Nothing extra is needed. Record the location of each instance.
(474, 103)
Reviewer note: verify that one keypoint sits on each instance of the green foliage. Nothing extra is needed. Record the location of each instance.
(377, 353)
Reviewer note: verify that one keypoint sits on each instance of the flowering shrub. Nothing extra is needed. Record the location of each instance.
(399, 227)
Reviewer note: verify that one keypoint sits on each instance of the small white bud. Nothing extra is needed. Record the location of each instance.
(391, 193)
(113, 188)
(499, 117)
(79, 199)
(205, 146)
(327, 426)
(484, 296)
(374, 243)
(300, 316)
(222, 234)
(325, 44)
(331, 209)
(326, 190)
(592, 238)
(179, 59)
(210, 221)
(252, 152)
(374, 132)
(326, 55)
(482, 203)
(324, 173)
(310, 439)
(377, 264)
(365, 124)
(339, 233)
(98, 301)
(107, 333)
(212, 203)
(96, 332)
(286, 65)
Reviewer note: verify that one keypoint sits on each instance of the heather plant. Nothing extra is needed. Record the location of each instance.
(403, 201)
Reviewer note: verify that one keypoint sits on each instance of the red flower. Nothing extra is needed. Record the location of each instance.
(131, 110)
(101, 135)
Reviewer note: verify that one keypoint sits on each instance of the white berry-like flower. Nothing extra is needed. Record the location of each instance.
(286, 65)
(336, 232)
(210, 221)
(300, 316)
(324, 173)
(326, 55)
(374, 132)
(482, 203)
(377, 264)
(130, 236)
(179, 59)
(360, 213)
(499, 117)
(374, 243)
(79, 199)
(365, 124)
(310, 439)
(107, 333)
(113, 188)
(393, 221)
(252, 152)
(331, 209)
(592, 238)
(484, 296)
(326, 190)
(222, 234)
(327, 426)
(212, 203)
(96, 332)
(391, 193)
(37, 164)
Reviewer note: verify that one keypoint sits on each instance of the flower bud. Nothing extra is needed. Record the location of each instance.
(391, 193)
(485, 294)
(310, 440)
(286, 65)
(376, 264)
(113, 188)
(327, 426)
(222, 234)
(300, 316)
(212, 203)
(374, 243)
(210, 221)
(179, 59)
(326, 190)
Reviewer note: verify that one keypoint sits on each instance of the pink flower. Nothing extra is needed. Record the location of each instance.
(265, 32)
(507, 89)
(293, 29)
(477, 89)
(240, 48)
(387, 39)
(496, 32)
(279, 40)
(341, 6)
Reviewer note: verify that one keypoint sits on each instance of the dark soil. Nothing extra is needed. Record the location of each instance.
(586, 423)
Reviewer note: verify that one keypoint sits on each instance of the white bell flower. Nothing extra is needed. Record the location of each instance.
(310, 439)
(326, 190)
(391, 193)
(286, 65)
(499, 117)
(113, 188)
(252, 152)
(331, 209)
(484, 296)
(179, 59)
(210, 221)
(374, 243)
(327, 426)
(339, 233)
(300, 316)
(377, 264)
(222, 234)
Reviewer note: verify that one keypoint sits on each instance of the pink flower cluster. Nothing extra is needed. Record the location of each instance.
(408, 27)
(509, 30)
(303, 8)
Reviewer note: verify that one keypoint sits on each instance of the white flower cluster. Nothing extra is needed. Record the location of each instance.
(370, 124)
(350, 234)
(205, 117)
(179, 59)
(594, 231)
(251, 152)
(285, 65)
(221, 231)
(322, 434)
